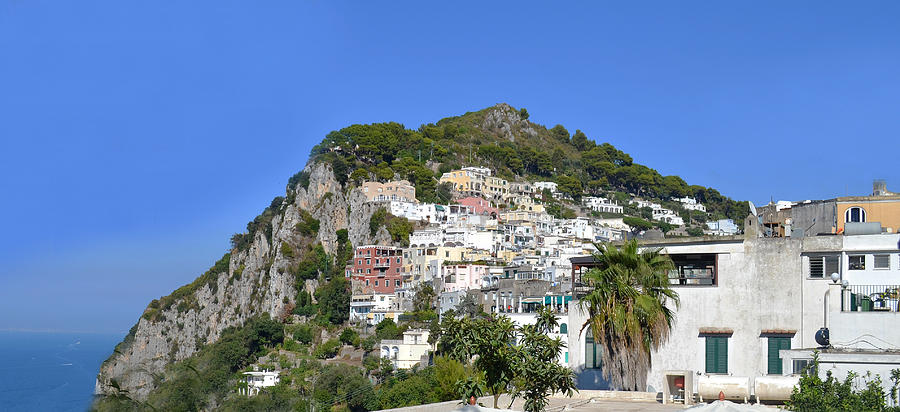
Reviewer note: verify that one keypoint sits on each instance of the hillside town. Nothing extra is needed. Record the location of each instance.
(755, 295)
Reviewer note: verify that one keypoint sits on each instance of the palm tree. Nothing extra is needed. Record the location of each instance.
(627, 310)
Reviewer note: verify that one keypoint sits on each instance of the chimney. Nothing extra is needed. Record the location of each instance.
(879, 188)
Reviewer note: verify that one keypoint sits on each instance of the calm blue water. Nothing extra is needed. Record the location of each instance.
(50, 371)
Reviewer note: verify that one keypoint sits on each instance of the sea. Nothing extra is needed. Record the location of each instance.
(49, 371)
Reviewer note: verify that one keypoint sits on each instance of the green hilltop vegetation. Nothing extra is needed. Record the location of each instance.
(499, 137)
(516, 149)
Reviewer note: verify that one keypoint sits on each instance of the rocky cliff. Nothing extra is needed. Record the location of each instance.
(247, 282)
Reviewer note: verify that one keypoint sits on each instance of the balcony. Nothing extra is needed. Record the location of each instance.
(871, 298)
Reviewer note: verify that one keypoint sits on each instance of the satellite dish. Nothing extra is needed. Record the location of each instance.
(822, 337)
(752, 208)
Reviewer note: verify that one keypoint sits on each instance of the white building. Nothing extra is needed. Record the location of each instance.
(257, 380)
(551, 186)
(689, 203)
(750, 309)
(371, 308)
(407, 352)
(602, 204)
(722, 227)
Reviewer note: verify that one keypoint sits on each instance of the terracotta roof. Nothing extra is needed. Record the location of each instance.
(716, 331)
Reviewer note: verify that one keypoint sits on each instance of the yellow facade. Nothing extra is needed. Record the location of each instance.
(475, 183)
(882, 209)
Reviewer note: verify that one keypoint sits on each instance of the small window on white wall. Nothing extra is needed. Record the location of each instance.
(855, 214)
(857, 262)
(882, 261)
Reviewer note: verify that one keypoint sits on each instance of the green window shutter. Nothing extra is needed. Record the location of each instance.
(722, 355)
(716, 354)
(775, 345)
(589, 352)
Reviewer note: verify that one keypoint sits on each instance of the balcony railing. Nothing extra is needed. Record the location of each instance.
(871, 298)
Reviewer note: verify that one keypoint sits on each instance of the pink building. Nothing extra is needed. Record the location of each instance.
(463, 277)
(479, 205)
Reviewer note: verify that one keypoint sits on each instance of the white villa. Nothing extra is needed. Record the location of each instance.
(257, 380)
(407, 352)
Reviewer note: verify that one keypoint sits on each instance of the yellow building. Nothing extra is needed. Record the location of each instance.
(400, 190)
(477, 181)
(882, 209)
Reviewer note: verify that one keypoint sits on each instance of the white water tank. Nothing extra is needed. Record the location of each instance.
(774, 388)
(734, 387)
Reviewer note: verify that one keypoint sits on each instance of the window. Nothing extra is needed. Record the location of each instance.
(397, 283)
(716, 354)
(367, 282)
(563, 328)
(803, 366)
(693, 270)
(855, 214)
(592, 353)
(567, 356)
(823, 265)
(882, 261)
(376, 283)
(368, 261)
(776, 344)
(857, 262)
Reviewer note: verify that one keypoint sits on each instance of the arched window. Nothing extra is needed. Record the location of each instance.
(855, 214)
(563, 328)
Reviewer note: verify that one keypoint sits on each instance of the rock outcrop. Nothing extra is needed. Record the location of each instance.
(257, 280)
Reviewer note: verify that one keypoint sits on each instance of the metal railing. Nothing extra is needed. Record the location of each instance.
(871, 298)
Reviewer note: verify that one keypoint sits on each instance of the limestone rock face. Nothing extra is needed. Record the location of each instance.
(505, 120)
(258, 280)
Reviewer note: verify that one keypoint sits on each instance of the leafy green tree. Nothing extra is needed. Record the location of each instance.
(492, 340)
(359, 175)
(580, 140)
(341, 384)
(424, 297)
(387, 329)
(627, 310)
(695, 231)
(349, 337)
(637, 223)
(377, 220)
(570, 186)
(523, 113)
(334, 300)
(560, 133)
(815, 394)
(539, 374)
(468, 306)
(303, 334)
(444, 192)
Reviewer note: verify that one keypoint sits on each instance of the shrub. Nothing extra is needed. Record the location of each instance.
(377, 220)
(308, 225)
(327, 349)
(349, 337)
(303, 334)
(301, 178)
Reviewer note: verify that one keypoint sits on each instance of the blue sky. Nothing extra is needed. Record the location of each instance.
(136, 137)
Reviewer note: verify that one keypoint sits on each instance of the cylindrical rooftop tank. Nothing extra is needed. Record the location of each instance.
(734, 387)
(775, 388)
